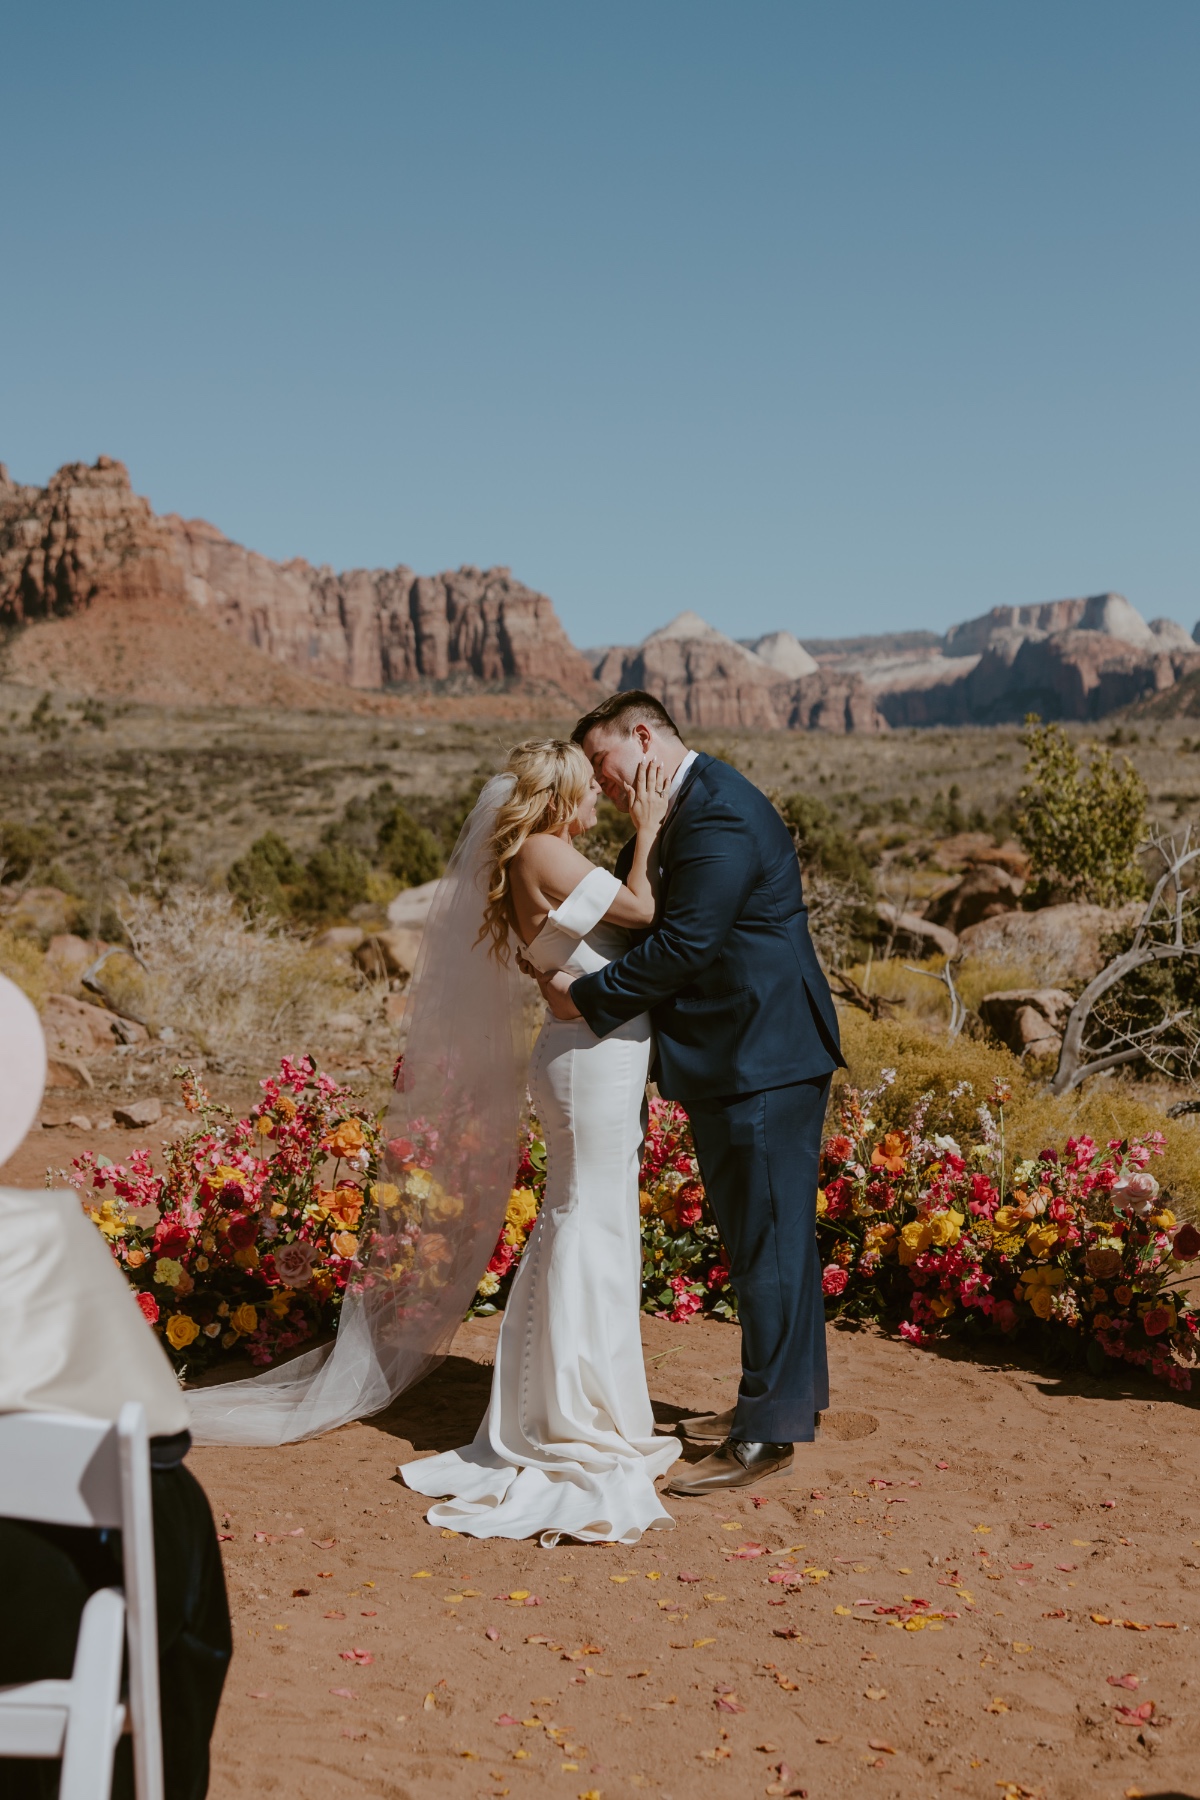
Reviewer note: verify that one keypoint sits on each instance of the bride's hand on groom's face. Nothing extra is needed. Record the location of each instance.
(648, 797)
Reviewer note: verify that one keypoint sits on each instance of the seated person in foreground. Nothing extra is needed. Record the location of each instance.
(72, 1339)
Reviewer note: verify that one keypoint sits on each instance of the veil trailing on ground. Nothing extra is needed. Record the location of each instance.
(451, 1156)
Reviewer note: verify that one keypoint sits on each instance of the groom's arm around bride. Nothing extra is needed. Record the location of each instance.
(747, 1042)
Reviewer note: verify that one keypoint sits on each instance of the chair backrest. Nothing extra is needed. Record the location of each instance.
(60, 1469)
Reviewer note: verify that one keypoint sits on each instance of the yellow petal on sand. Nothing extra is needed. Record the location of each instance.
(519, 1594)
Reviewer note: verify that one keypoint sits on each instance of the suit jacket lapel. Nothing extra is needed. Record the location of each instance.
(701, 762)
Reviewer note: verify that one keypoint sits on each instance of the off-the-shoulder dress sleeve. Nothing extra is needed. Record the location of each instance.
(586, 905)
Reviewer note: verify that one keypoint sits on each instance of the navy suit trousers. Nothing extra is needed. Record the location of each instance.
(759, 1157)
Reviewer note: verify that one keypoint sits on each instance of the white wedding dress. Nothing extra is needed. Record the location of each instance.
(567, 1448)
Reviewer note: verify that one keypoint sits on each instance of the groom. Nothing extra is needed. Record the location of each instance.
(747, 1042)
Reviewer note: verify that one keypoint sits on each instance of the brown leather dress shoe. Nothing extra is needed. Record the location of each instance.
(708, 1428)
(734, 1465)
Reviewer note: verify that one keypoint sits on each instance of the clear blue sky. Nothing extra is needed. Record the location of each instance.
(841, 317)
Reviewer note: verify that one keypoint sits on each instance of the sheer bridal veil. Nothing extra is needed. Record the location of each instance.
(452, 1146)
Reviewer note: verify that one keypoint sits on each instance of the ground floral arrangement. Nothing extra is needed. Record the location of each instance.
(247, 1241)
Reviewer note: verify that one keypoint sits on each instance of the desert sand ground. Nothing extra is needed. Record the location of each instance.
(1054, 1525)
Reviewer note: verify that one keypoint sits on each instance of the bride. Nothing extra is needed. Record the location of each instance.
(567, 1447)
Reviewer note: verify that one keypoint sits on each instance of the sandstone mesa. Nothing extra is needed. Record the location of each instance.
(99, 594)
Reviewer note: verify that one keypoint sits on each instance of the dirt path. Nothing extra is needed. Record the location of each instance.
(375, 1656)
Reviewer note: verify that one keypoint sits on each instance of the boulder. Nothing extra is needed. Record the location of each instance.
(138, 1114)
(67, 1072)
(1057, 945)
(389, 954)
(410, 909)
(67, 959)
(1030, 1021)
(913, 935)
(984, 891)
(340, 937)
(41, 912)
(73, 1028)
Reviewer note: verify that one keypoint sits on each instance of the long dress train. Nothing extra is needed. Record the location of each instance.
(567, 1447)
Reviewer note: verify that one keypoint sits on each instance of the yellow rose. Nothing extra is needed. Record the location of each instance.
(522, 1208)
(247, 1258)
(915, 1237)
(169, 1272)
(385, 1195)
(1006, 1218)
(344, 1243)
(1163, 1220)
(1041, 1299)
(181, 1331)
(944, 1229)
(245, 1319)
(822, 1203)
(1040, 1240)
(418, 1184)
(441, 1205)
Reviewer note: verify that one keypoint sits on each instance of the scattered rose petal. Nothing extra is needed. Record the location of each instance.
(941, 1465)
(324, 1543)
(1067, 1568)
(370, 1615)
(689, 1578)
(344, 1693)
(1135, 1715)
(491, 1633)
(335, 1615)
(258, 1694)
(1123, 1681)
(507, 1719)
(875, 1693)
(880, 1744)
(356, 1656)
(224, 1537)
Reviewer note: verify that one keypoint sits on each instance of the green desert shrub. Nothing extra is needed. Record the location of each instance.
(1082, 829)
(268, 877)
(24, 963)
(409, 850)
(24, 849)
(821, 844)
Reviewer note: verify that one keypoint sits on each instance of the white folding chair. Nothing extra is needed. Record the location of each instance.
(64, 1469)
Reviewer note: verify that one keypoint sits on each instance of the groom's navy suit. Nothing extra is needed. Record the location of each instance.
(747, 1041)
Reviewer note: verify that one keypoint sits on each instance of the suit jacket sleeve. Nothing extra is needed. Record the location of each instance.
(714, 866)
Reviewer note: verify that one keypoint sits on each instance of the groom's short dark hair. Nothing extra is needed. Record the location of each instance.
(623, 712)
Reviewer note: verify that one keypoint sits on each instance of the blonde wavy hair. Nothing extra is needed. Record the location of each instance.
(551, 777)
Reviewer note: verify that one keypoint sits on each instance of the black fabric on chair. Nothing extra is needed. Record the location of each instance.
(46, 1575)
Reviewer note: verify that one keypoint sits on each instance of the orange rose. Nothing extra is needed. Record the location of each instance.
(344, 1243)
(346, 1139)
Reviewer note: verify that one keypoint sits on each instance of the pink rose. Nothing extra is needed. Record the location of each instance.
(834, 1279)
(293, 1264)
(149, 1306)
(1135, 1194)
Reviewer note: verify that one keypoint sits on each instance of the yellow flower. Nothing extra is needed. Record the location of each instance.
(344, 1243)
(1006, 1218)
(1041, 1299)
(169, 1272)
(181, 1331)
(385, 1195)
(522, 1208)
(946, 1228)
(1163, 1220)
(645, 1203)
(245, 1319)
(110, 1219)
(441, 1205)
(489, 1285)
(942, 1306)
(822, 1203)
(915, 1237)
(247, 1258)
(265, 1126)
(202, 1263)
(279, 1303)
(418, 1184)
(1040, 1240)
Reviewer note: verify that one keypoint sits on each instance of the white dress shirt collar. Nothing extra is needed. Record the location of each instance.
(680, 775)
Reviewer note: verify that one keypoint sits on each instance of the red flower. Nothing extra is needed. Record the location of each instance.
(688, 1209)
(717, 1275)
(502, 1260)
(170, 1238)
(243, 1229)
(1156, 1321)
(834, 1280)
(839, 1149)
(149, 1306)
(1186, 1243)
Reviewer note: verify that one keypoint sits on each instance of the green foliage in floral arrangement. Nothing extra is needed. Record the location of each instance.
(1082, 831)
(246, 1243)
